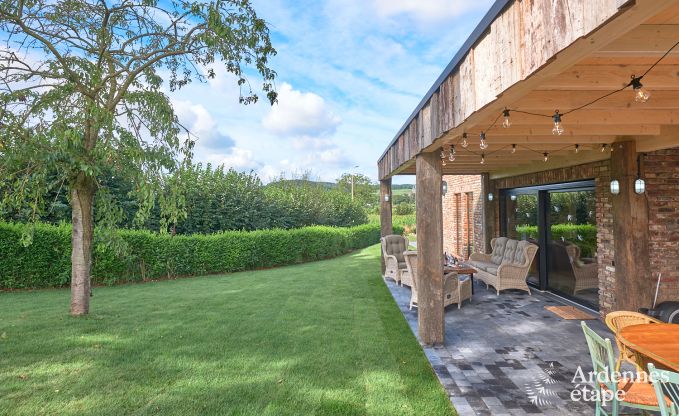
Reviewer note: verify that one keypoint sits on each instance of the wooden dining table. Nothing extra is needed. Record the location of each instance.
(656, 343)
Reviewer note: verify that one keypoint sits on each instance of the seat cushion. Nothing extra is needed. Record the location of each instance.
(482, 265)
(492, 270)
(402, 265)
(499, 247)
(639, 393)
(395, 245)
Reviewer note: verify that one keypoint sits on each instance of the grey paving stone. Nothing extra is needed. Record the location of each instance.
(499, 348)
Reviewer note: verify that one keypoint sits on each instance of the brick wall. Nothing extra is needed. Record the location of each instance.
(661, 171)
(462, 201)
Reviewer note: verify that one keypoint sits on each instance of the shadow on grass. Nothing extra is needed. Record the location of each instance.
(319, 338)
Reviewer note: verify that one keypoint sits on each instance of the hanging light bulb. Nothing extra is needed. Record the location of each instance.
(603, 147)
(443, 153)
(546, 156)
(483, 145)
(451, 153)
(558, 128)
(483, 158)
(641, 95)
(464, 142)
(506, 123)
(577, 148)
(443, 162)
(513, 148)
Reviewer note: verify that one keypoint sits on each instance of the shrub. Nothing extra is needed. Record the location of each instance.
(404, 208)
(582, 235)
(47, 262)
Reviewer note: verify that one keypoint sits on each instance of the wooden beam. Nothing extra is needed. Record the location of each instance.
(633, 280)
(547, 101)
(589, 117)
(546, 127)
(612, 77)
(429, 249)
(386, 227)
(645, 40)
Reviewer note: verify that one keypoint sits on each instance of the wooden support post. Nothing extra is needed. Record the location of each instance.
(489, 211)
(385, 211)
(633, 280)
(429, 248)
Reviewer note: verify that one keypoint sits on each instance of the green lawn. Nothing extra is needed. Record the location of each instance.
(322, 338)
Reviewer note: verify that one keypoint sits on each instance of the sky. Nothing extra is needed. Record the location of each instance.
(350, 72)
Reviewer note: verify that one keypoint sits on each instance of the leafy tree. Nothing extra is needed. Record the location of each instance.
(81, 93)
(364, 190)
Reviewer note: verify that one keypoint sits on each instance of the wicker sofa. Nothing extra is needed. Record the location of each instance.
(393, 247)
(507, 266)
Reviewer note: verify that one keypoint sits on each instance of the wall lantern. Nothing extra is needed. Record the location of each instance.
(615, 187)
(490, 196)
(639, 184)
(386, 198)
(444, 188)
(512, 197)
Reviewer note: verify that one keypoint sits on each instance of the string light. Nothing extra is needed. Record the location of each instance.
(558, 128)
(506, 123)
(451, 153)
(641, 95)
(483, 145)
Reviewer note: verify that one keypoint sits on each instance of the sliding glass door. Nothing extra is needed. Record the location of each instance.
(560, 219)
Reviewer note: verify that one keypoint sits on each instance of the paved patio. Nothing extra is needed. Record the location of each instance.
(508, 355)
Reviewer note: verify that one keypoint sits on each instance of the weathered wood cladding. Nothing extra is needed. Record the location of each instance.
(524, 37)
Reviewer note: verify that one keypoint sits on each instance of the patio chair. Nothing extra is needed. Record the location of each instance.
(393, 247)
(454, 289)
(619, 320)
(666, 386)
(586, 274)
(638, 395)
(507, 266)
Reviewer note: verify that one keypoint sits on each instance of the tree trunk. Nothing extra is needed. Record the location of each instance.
(82, 198)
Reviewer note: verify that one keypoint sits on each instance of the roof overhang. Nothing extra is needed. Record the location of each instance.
(537, 57)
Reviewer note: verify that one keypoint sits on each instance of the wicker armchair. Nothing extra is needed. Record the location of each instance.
(454, 290)
(619, 320)
(507, 266)
(393, 247)
(586, 274)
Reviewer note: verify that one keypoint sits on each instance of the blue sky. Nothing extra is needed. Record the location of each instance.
(349, 74)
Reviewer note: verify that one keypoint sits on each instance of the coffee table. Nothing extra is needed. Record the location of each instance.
(462, 269)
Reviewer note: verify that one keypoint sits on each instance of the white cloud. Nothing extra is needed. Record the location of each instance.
(200, 123)
(300, 114)
(238, 159)
(427, 11)
(316, 143)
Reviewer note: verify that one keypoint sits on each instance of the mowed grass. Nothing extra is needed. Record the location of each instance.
(322, 338)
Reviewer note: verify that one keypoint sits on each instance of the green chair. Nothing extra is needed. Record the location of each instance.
(666, 385)
(638, 395)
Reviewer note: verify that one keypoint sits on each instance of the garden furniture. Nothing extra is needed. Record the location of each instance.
(656, 343)
(638, 395)
(393, 247)
(507, 266)
(666, 386)
(454, 289)
(462, 269)
(618, 320)
(586, 274)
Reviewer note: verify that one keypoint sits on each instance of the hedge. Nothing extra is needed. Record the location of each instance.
(583, 235)
(47, 261)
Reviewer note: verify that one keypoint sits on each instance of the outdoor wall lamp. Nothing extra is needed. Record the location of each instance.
(615, 187)
(490, 196)
(386, 198)
(444, 188)
(639, 184)
(512, 197)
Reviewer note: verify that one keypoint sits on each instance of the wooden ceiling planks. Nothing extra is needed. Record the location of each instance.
(522, 44)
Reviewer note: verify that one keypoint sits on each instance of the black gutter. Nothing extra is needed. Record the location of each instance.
(480, 30)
